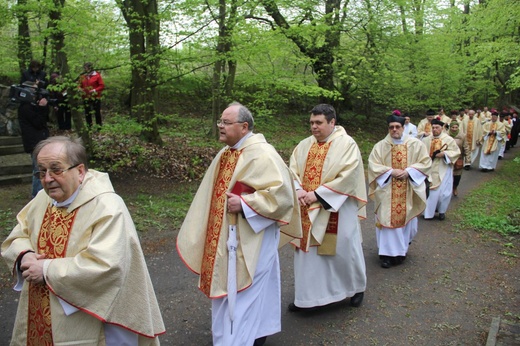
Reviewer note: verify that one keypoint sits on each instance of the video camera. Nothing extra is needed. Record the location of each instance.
(28, 93)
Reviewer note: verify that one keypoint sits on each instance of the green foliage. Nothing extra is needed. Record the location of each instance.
(495, 206)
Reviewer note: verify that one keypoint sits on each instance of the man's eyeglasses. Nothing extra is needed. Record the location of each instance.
(54, 172)
(226, 123)
(396, 127)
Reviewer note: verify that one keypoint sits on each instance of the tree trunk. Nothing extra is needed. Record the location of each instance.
(143, 24)
(323, 56)
(60, 64)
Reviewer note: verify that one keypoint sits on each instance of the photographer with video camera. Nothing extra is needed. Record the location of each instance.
(32, 113)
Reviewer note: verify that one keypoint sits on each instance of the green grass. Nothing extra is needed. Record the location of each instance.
(161, 212)
(7, 222)
(495, 205)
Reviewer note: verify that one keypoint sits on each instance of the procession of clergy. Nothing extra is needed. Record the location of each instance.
(248, 204)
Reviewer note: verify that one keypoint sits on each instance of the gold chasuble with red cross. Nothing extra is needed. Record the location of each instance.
(335, 169)
(399, 201)
(52, 241)
(491, 139)
(201, 242)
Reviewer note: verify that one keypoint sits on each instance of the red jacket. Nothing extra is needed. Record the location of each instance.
(92, 85)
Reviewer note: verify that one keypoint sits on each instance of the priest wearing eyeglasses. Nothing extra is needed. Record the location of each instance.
(398, 167)
(77, 259)
(248, 180)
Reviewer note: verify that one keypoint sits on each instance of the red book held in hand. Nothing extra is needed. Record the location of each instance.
(241, 188)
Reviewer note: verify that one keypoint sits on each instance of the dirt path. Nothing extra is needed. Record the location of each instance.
(446, 293)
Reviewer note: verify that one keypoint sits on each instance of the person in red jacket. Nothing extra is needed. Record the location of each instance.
(91, 84)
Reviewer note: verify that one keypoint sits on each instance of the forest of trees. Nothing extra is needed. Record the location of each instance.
(275, 56)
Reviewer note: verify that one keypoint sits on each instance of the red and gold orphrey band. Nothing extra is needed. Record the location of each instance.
(398, 205)
(52, 241)
(310, 182)
(228, 162)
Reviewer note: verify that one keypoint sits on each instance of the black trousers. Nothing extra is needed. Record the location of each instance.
(456, 180)
(93, 107)
(64, 116)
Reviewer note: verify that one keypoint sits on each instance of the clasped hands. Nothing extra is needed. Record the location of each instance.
(32, 267)
(400, 174)
(306, 198)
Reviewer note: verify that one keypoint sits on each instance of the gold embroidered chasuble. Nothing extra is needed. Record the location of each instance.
(52, 241)
(98, 266)
(490, 144)
(260, 167)
(439, 167)
(399, 201)
(340, 171)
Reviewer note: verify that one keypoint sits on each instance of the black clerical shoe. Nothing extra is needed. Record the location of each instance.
(293, 308)
(442, 216)
(398, 260)
(260, 341)
(385, 262)
(357, 299)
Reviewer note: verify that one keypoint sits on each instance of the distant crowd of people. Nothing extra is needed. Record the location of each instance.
(81, 271)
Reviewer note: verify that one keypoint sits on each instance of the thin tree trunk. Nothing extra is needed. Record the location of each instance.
(24, 36)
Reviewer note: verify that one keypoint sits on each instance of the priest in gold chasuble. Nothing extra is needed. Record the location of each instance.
(493, 138)
(473, 133)
(397, 169)
(248, 178)
(444, 152)
(76, 254)
(329, 265)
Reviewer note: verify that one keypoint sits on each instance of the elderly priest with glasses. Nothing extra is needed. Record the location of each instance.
(231, 233)
(77, 258)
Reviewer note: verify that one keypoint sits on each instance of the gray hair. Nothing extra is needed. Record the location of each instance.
(74, 149)
(244, 115)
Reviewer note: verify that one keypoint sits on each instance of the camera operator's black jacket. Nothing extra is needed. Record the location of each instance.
(33, 123)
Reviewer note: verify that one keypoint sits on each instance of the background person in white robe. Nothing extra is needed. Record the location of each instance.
(409, 128)
(493, 137)
(397, 169)
(329, 265)
(79, 263)
(249, 160)
(443, 152)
